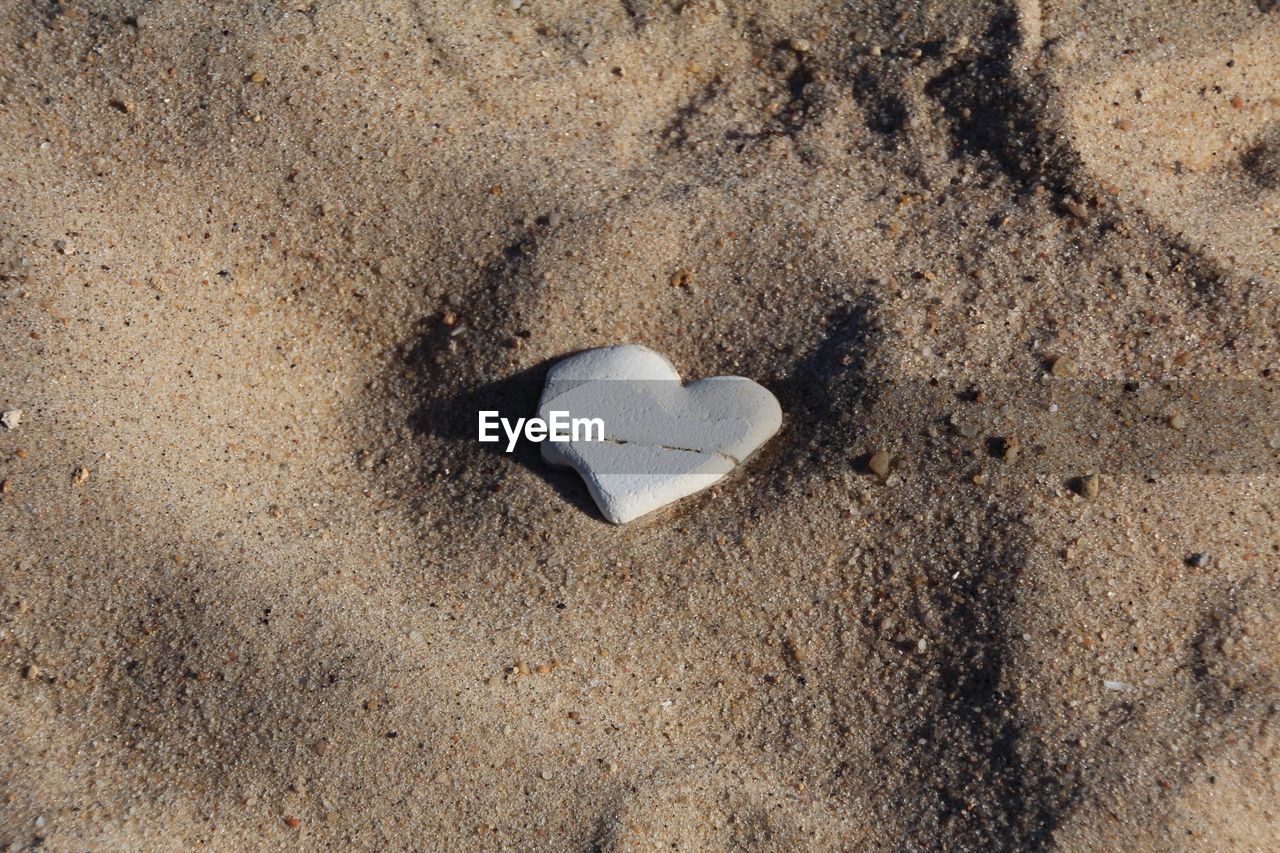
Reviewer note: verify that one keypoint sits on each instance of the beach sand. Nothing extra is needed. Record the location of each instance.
(260, 265)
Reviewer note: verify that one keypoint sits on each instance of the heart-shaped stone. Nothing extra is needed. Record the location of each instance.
(662, 440)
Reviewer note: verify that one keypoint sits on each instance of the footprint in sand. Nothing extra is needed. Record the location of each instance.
(1193, 140)
(716, 808)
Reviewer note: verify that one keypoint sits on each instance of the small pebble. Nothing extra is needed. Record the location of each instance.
(879, 463)
(1089, 485)
(546, 774)
(800, 45)
(1177, 421)
(293, 822)
(81, 475)
(1197, 560)
(31, 673)
(1076, 209)
(1063, 366)
(11, 418)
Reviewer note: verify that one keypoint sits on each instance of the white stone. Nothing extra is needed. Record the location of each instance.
(663, 440)
(11, 418)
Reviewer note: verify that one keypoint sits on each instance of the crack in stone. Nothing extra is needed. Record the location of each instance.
(672, 447)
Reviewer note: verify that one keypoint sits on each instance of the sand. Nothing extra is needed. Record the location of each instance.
(261, 587)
